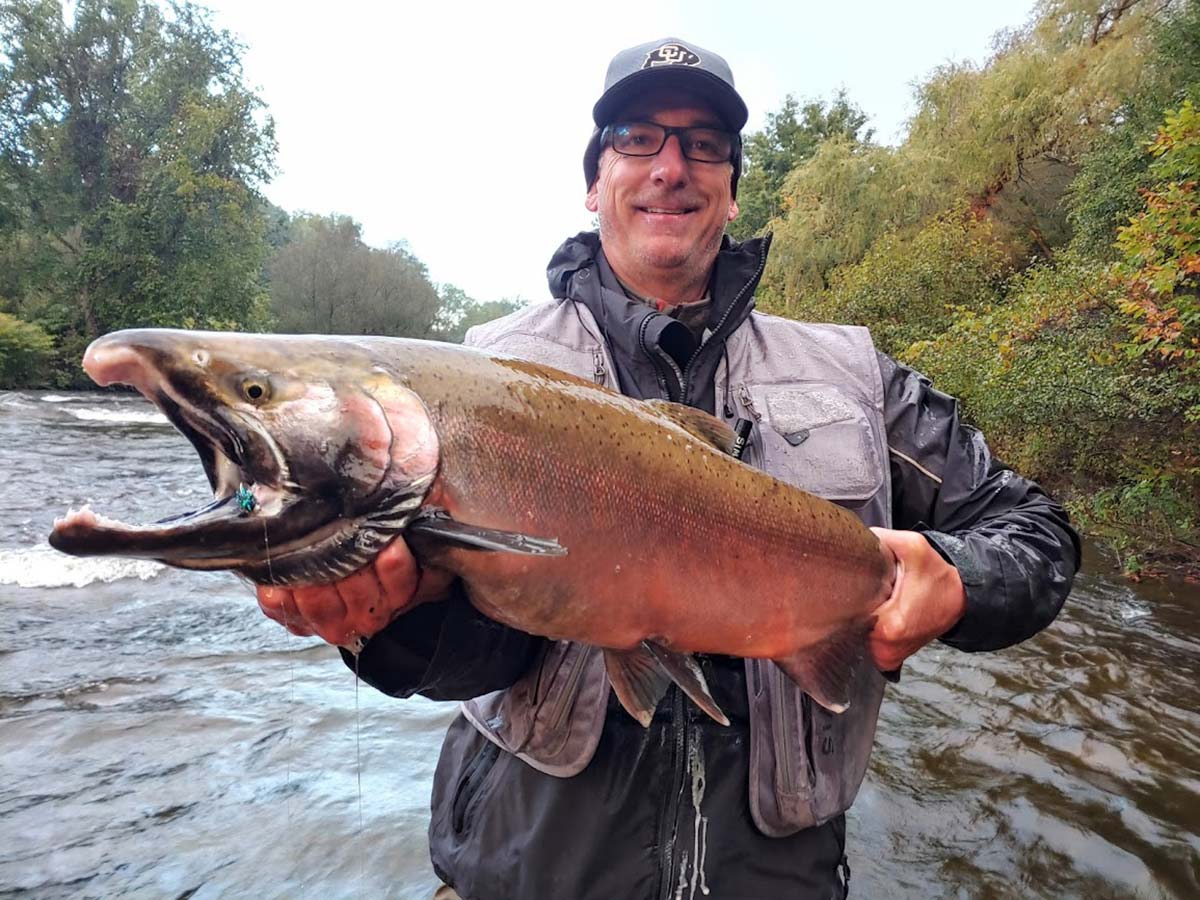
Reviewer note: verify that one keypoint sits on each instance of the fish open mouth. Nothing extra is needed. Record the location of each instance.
(258, 521)
(253, 497)
(309, 519)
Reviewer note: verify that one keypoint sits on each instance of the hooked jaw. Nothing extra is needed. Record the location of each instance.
(223, 441)
(108, 361)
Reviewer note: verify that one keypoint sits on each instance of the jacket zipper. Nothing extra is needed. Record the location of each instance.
(810, 728)
(687, 370)
(667, 835)
(669, 830)
(783, 727)
(563, 701)
(675, 370)
(598, 366)
(660, 357)
(472, 780)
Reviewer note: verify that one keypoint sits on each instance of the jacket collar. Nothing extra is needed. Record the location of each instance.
(579, 271)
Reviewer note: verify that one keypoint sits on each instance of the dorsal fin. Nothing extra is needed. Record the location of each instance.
(696, 422)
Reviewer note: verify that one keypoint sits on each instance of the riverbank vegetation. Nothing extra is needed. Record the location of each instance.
(132, 160)
(1033, 245)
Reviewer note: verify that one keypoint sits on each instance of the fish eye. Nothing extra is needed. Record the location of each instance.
(255, 390)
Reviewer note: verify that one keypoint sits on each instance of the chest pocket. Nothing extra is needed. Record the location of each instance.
(817, 436)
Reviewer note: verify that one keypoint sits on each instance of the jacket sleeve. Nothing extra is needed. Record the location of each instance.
(445, 650)
(1013, 546)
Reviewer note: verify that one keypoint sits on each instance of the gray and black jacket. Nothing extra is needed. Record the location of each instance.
(545, 787)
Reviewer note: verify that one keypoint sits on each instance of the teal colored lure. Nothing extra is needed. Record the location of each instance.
(245, 500)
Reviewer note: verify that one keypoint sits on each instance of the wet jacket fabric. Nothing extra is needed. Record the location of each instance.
(669, 806)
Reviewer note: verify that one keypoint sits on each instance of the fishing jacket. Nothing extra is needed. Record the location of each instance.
(545, 786)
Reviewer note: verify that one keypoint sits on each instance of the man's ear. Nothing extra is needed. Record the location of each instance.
(733, 210)
(592, 202)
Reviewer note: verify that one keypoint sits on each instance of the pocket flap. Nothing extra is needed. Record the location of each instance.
(818, 437)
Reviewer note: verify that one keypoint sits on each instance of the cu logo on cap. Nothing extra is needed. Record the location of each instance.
(671, 55)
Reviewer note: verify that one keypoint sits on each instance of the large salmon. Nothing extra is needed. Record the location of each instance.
(568, 510)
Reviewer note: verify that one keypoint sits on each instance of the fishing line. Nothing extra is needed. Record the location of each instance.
(291, 678)
(362, 872)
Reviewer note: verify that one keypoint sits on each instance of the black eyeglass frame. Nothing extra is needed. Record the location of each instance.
(735, 140)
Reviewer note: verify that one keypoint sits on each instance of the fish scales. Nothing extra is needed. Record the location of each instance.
(685, 528)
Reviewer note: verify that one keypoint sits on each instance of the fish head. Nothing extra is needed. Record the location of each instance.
(316, 453)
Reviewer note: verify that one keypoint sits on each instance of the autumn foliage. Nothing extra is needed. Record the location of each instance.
(1033, 245)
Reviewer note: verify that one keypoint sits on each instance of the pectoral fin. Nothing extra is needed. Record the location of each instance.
(438, 523)
(827, 671)
(641, 676)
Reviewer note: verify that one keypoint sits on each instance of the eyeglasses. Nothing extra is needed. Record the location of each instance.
(710, 145)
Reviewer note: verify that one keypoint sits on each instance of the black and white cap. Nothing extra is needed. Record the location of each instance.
(670, 62)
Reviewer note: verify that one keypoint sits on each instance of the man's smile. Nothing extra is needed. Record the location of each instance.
(666, 211)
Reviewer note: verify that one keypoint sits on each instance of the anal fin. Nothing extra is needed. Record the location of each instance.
(642, 675)
(685, 672)
(638, 680)
(826, 671)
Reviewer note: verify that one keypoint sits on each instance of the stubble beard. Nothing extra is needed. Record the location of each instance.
(687, 267)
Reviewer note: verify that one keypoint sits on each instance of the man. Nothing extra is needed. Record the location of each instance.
(546, 788)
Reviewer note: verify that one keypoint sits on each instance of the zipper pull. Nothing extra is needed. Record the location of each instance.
(598, 366)
(748, 402)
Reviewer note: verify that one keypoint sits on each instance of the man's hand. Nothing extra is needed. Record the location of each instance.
(360, 605)
(928, 600)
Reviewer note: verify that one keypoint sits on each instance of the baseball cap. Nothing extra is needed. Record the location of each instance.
(668, 62)
(673, 63)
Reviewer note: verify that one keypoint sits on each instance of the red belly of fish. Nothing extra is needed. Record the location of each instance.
(703, 567)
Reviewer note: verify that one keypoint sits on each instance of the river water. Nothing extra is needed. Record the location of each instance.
(160, 738)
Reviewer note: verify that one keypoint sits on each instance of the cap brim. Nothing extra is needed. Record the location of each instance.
(725, 101)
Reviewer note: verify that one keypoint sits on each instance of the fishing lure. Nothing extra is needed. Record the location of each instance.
(246, 501)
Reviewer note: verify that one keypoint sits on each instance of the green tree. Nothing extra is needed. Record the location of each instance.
(1106, 192)
(130, 157)
(24, 351)
(835, 205)
(459, 312)
(792, 135)
(326, 280)
(909, 289)
(1004, 136)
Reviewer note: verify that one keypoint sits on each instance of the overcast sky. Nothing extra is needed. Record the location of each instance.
(410, 117)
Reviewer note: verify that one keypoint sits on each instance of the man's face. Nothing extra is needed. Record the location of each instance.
(663, 216)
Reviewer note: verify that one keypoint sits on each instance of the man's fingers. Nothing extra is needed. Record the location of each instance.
(279, 604)
(396, 569)
(359, 605)
(322, 609)
(270, 601)
(366, 608)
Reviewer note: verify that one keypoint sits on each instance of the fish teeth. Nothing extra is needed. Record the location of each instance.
(85, 517)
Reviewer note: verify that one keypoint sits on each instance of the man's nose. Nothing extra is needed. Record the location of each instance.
(670, 165)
